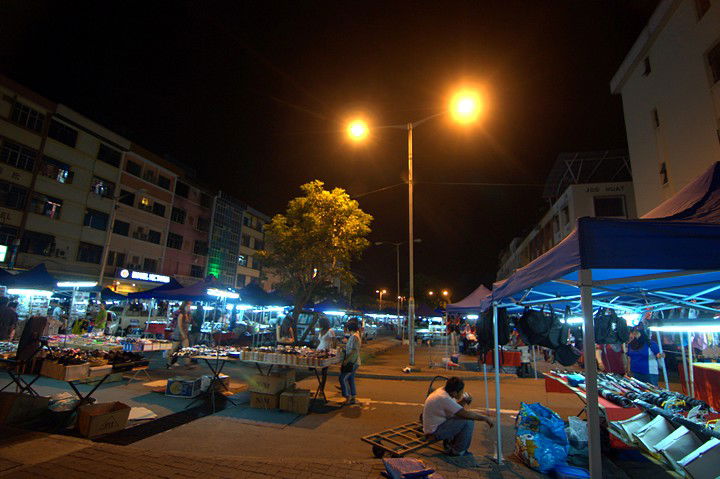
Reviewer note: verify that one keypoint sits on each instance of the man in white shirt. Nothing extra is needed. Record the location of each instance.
(445, 417)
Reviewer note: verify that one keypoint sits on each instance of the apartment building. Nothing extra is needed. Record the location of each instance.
(670, 87)
(189, 235)
(252, 240)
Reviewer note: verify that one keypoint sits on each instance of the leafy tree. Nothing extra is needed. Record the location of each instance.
(312, 244)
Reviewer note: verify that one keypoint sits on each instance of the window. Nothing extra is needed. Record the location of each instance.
(205, 200)
(17, 155)
(181, 189)
(89, 253)
(196, 271)
(102, 187)
(240, 281)
(242, 260)
(259, 244)
(145, 204)
(119, 259)
(246, 220)
(664, 173)
(203, 224)
(57, 170)
(702, 7)
(174, 241)
(121, 228)
(200, 247)
(163, 182)
(96, 219)
(12, 196)
(154, 236)
(609, 206)
(46, 205)
(109, 155)
(178, 215)
(149, 175)
(646, 66)
(158, 209)
(28, 117)
(150, 265)
(713, 58)
(37, 243)
(655, 118)
(7, 235)
(127, 198)
(133, 168)
(63, 133)
(246, 240)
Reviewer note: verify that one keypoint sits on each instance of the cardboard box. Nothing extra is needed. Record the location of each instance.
(183, 387)
(16, 407)
(272, 384)
(55, 370)
(296, 401)
(264, 401)
(103, 418)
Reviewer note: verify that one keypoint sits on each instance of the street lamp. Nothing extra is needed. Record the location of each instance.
(380, 292)
(397, 256)
(465, 107)
(430, 293)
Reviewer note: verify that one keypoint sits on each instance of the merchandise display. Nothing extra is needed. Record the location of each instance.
(284, 355)
(107, 343)
(8, 349)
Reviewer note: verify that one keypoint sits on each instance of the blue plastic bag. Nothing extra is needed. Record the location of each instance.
(540, 438)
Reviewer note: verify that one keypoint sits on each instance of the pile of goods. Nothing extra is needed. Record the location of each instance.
(68, 356)
(7, 349)
(86, 341)
(289, 355)
(144, 344)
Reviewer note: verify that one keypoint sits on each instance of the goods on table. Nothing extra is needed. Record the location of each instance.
(7, 349)
(285, 355)
(107, 343)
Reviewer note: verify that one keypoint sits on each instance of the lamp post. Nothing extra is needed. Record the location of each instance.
(465, 107)
(380, 292)
(397, 256)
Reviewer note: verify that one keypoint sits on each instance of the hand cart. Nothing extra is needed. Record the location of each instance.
(400, 440)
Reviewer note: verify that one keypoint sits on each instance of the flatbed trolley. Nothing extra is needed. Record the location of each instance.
(404, 439)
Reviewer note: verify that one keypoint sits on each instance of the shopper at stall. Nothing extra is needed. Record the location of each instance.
(444, 417)
(197, 322)
(100, 319)
(327, 335)
(8, 321)
(644, 354)
(180, 335)
(351, 362)
(285, 332)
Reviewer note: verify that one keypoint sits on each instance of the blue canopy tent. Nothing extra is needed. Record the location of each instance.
(472, 302)
(668, 258)
(193, 292)
(34, 278)
(5, 277)
(151, 293)
(108, 294)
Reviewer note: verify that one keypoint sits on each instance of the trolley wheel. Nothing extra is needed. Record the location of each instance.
(378, 451)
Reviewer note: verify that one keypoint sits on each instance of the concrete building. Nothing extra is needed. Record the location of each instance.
(252, 239)
(58, 173)
(604, 190)
(224, 245)
(670, 87)
(189, 235)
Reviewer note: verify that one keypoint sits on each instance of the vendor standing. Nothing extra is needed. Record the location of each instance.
(285, 332)
(100, 319)
(644, 355)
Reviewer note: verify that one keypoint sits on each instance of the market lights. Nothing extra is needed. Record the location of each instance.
(77, 284)
(222, 294)
(29, 292)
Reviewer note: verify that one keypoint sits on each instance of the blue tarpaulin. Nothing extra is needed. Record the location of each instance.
(152, 293)
(35, 278)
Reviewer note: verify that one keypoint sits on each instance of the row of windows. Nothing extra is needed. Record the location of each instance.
(120, 260)
(183, 190)
(27, 117)
(179, 215)
(149, 175)
(176, 241)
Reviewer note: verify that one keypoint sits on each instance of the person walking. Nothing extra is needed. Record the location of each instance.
(180, 335)
(350, 362)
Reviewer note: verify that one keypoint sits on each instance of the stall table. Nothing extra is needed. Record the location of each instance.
(707, 383)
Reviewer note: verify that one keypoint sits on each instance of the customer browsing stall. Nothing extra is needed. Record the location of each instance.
(285, 332)
(351, 362)
(327, 335)
(181, 333)
(445, 417)
(644, 355)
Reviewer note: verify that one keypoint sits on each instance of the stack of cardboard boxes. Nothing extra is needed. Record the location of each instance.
(277, 391)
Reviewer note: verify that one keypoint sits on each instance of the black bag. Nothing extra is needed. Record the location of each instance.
(537, 328)
(484, 330)
(567, 355)
(610, 329)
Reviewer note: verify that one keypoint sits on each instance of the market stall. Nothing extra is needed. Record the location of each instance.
(665, 260)
(33, 289)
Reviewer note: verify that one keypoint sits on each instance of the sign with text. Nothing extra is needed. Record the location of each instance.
(143, 276)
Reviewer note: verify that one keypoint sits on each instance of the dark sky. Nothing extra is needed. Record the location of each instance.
(254, 96)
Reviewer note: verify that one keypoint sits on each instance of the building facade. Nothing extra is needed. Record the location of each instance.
(670, 87)
(252, 240)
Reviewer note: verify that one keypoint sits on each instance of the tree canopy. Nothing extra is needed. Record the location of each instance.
(312, 245)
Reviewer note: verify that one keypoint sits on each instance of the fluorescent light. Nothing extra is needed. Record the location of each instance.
(77, 284)
(334, 313)
(229, 307)
(472, 316)
(243, 307)
(222, 293)
(689, 328)
(574, 320)
(29, 292)
(631, 318)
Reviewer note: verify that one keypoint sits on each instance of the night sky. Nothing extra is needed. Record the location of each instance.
(254, 96)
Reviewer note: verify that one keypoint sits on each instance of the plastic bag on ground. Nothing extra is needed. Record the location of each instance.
(540, 438)
(578, 440)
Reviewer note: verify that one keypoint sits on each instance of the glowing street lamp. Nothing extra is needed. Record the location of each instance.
(358, 130)
(466, 106)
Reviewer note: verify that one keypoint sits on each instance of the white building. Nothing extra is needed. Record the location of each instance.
(670, 87)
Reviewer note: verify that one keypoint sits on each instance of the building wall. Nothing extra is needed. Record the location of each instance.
(252, 239)
(190, 222)
(225, 239)
(576, 202)
(671, 100)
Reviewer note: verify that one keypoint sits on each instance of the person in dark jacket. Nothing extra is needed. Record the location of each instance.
(8, 321)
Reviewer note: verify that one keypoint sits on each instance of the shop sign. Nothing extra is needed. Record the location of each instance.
(143, 276)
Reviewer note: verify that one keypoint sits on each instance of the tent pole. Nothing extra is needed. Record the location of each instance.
(498, 424)
(591, 387)
(664, 368)
(691, 374)
(685, 365)
(532, 348)
(487, 397)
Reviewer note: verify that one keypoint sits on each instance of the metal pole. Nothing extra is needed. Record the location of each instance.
(498, 424)
(685, 365)
(690, 366)
(106, 249)
(411, 296)
(591, 388)
(397, 256)
(487, 395)
(664, 368)
(534, 361)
